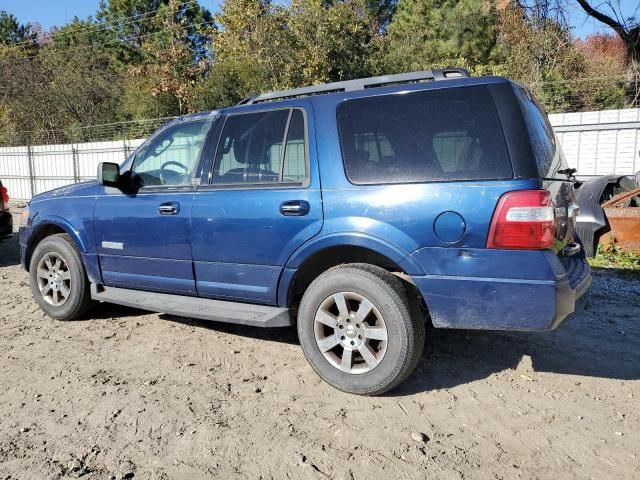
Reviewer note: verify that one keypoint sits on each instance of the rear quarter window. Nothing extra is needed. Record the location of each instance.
(439, 135)
(547, 153)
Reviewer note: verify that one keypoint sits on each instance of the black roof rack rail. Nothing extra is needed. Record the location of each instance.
(359, 84)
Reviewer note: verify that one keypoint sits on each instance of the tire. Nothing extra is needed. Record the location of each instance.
(69, 277)
(336, 342)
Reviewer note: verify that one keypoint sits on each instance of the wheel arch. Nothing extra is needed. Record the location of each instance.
(313, 259)
(45, 229)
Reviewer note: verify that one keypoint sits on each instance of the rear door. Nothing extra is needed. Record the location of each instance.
(261, 201)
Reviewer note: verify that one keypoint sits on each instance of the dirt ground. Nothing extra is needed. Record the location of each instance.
(127, 394)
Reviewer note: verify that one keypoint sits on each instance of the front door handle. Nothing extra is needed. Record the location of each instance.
(169, 208)
(294, 208)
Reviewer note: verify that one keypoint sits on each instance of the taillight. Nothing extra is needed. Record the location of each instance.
(4, 193)
(523, 220)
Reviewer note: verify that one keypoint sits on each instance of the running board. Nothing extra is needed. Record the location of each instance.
(194, 307)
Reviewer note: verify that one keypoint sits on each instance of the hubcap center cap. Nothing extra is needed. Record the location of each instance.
(351, 331)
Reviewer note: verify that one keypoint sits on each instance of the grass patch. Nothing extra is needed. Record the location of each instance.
(614, 257)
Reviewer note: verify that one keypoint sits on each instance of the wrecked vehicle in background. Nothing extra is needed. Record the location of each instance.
(609, 212)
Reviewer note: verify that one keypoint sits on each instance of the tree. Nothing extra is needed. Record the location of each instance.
(628, 30)
(175, 56)
(11, 32)
(132, 24)
(328, 43)
(539, 52)
(261, 46)
(603, 84)
(16, 42)
(69, 83)
(427, 33)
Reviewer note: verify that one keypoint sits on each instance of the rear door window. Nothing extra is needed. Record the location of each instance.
(439, 135)
(262, 148)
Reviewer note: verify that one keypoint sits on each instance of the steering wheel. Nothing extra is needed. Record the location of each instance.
(174, 163)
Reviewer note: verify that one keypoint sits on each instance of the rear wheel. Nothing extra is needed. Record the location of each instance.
(360, 330)
(58, 279)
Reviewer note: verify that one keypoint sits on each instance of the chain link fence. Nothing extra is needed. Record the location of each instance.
(596, 143)
(35, 162)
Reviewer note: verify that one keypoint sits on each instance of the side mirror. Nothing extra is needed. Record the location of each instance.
(109, 174)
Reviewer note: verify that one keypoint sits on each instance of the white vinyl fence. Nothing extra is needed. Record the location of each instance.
(596, 143)
(27, 171)
(600, 143)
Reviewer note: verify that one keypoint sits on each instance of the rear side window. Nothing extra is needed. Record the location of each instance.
(440, 135)
(543, 140)
(262, 147)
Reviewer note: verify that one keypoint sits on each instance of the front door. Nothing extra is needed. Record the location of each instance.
(144, 238)
(261, 202)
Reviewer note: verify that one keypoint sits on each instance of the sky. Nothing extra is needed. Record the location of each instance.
(57, 12)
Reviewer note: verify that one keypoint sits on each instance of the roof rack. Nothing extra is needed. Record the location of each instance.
(359, 84)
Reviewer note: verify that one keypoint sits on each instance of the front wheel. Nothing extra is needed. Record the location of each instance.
(58, 280)
(359, 329)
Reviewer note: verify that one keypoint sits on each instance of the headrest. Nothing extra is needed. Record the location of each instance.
(253, 153)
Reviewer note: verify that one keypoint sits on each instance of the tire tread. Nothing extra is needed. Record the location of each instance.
(408, 310)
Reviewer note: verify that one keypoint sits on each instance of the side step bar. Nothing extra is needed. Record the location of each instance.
(194, 307)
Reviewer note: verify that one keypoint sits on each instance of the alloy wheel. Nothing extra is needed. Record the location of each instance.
(350, 332)
(54, 279)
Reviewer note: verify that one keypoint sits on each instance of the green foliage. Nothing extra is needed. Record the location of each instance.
(11, 32)
(261, 46)
(174, 57)
(540, 53)
(141, 59)
(424, 33)
(614, 257)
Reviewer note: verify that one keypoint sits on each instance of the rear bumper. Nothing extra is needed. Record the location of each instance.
(491, 303)
(6, 224)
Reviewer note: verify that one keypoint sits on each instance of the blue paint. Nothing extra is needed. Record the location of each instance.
(449, 227)
(234, 243)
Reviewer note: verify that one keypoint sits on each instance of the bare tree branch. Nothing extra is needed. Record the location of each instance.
(607, 20)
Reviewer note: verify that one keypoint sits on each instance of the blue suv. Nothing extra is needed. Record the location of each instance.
(356, 210)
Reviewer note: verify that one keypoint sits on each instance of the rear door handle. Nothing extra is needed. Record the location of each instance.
(169, 208)
(294, 208)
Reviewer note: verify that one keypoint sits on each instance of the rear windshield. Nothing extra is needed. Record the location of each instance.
(547, 153)
(439, 135)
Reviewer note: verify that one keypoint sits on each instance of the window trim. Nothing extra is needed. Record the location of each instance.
(306, 183)
(191, 184)
(419, 182)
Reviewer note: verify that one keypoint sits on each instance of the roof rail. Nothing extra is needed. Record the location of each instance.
(359, 84)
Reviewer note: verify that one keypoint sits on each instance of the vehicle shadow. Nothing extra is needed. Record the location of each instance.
(602, 341)
(104, 311)
(588, 344)
(278, 334)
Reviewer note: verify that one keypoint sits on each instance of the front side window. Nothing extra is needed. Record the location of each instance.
(439, 135)
(171, 157)
(262, 148)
